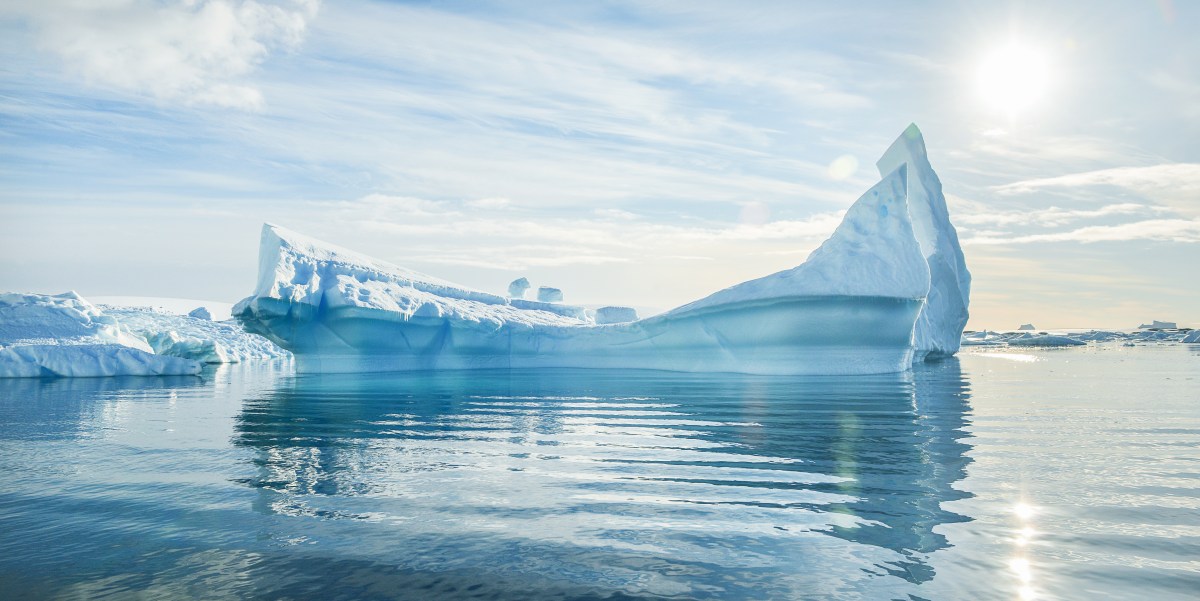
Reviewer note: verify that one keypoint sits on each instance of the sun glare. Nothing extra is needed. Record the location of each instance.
(1013, 77)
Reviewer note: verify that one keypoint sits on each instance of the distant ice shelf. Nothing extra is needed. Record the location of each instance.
(850, 308)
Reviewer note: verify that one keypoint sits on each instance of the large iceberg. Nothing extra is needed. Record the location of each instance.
(940, 325)
(849, 309)
(65, 335)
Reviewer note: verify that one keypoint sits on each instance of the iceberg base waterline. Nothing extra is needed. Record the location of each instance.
(826, 335)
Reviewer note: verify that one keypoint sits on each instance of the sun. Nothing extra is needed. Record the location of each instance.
(1013, 77)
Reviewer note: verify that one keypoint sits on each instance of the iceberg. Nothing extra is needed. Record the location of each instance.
(195, 337)
(1191, 337)
(547, 294)
(1158, 325)
(849, 308)
(65, 335)
(940, 324)
(517, 288)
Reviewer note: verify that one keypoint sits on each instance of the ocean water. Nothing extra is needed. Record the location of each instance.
(1040, 474)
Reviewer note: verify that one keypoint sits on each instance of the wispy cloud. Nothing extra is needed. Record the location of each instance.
(178, 51)
(1182, 177)
(1051, 216)
(1169, 230)
(495, 237)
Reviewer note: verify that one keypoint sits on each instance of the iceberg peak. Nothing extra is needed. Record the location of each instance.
(939, 327)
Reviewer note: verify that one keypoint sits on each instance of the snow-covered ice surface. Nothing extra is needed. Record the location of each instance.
(942, 319)
(218, 310)
(195, 338)
(849, 309)
(65, 335)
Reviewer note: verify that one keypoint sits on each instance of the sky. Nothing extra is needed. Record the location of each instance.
(640, 153)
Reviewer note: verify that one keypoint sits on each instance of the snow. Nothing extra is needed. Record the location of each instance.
(547, 294)
(941, 322)
(518, 287)
(849, 309)
(65, 335)
(195, 338)
(871, 253)
(607, 315)
(218, 310)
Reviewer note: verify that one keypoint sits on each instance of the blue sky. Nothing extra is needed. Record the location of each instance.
(643, 153)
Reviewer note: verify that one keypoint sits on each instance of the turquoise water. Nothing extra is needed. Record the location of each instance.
(1070, 474)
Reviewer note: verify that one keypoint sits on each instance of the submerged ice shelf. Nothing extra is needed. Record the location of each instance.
(850, 308)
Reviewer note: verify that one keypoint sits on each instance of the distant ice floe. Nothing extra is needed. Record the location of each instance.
(888, 287)
(64, 335)
(1025, 338)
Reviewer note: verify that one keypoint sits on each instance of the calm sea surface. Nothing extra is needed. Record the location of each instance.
(1052, 474)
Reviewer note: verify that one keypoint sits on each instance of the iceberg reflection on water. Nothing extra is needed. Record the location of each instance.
(595, 475)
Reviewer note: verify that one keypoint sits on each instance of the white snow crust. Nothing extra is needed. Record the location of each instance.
(941, 322)
(65, 335)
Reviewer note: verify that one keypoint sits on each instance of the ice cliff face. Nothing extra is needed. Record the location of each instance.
(940, 325)
(849, 309)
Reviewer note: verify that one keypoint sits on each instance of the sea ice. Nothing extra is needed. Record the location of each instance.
(939, 326)
(64, 335)
(1045, 340)
(849, 309)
